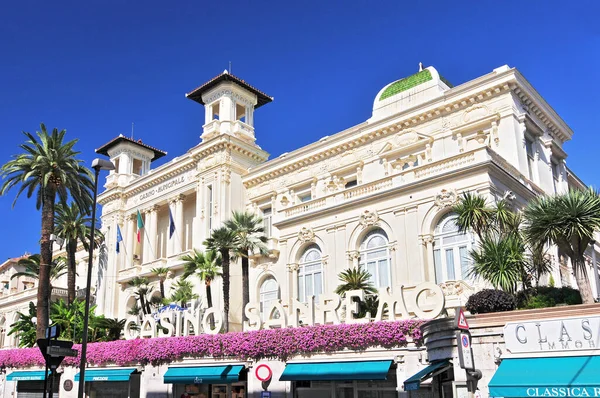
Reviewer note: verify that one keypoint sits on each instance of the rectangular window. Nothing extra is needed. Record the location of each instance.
(305, 197)
(450, 264)
(530, 158)
(464, 262)
(268, 221)
(555, 175)
(209, 206)
(351, 183)
(437, 261)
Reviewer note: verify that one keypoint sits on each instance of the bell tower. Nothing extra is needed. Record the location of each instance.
(229, 105)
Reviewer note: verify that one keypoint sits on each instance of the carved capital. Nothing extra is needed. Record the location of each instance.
(294, 267)
(353, 255)
(446, 198)
(427, 239)
(368, 218)
(306, 235)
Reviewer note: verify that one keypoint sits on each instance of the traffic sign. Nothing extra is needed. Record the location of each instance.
(461, 320)
(52, 332)
(465, 351)
(56, 351)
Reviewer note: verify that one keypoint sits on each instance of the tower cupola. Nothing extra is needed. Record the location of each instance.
(229, 104)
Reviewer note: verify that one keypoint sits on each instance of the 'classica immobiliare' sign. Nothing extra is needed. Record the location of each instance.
(569, 334)
(424, 301)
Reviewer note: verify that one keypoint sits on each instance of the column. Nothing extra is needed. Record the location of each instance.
(146, 234)
(198, 235)
(179, 235)
(130, 238)
(293, 270)
(427, 258)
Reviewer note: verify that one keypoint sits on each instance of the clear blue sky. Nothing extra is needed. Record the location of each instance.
(94, 67)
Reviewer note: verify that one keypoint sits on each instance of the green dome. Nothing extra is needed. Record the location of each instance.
(406, 84)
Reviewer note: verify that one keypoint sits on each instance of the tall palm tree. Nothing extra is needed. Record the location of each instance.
(48, 167)
(58, 267)
(72, 226)
(224, 241)
(205, 266)
(183, 292)
(249, 230)
(141, 284)
(569, 221)
(161, 273)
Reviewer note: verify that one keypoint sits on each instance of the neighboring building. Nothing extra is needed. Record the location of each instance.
(377, 195)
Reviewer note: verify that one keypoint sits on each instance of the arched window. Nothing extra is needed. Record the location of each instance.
(450, 250)
(310, 274)
(2, 330)
(375, 257)
(269, 294)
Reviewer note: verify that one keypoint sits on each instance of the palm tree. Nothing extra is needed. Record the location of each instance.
(473, 214)
(249, 230)
(24, 328)
(110, 329)
(161, 273)
(58, 267)
(359, 279)
(501, 261)
(72, 226)
(183, 292)
(141, 292)
(48, 167)
(223, 240)
(205, 266)
(569, 221)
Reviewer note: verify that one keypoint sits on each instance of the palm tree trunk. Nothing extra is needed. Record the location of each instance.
(583, 283)
(43, 293)
(162, 289)
(143, 304)
(71, 250)
(225, 263)
(209, 301)
(245, 285)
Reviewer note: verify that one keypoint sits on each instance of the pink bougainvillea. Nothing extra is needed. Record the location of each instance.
(276, 343)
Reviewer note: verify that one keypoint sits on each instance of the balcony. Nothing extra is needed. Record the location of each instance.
(396, 179)
(29, 295)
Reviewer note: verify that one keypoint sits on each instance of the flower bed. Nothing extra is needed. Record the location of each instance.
(277, 344)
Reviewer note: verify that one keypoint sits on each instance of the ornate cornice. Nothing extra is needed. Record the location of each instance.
(362, 136)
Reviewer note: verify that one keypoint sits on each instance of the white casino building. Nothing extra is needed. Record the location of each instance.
(376, 195)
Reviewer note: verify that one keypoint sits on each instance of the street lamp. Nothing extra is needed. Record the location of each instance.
(97, 165)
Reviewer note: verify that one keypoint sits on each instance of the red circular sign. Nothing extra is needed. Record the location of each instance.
(263, 372)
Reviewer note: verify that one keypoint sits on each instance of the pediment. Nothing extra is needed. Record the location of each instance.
(405, 139)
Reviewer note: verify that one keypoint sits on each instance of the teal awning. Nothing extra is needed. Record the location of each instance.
(357, 370)
(203, 374)
(26, 375)
(107, 374)
(551, 377)
(414, 382)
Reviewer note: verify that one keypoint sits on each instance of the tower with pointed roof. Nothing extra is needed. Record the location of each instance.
(229, 104)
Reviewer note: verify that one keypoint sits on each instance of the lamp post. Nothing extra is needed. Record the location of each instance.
(97, 165)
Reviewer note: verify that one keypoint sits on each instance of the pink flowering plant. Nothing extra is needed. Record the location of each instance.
(275, 343)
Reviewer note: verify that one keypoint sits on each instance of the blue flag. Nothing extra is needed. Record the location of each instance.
(119, 237)
(171, 224)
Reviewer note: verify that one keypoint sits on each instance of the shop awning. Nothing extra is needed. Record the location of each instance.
(357, 370)
(26, 375)
(414, 382)
(203, 374)
(107, 374)
(538, 377)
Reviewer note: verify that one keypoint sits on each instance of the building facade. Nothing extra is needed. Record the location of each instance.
(376, 196)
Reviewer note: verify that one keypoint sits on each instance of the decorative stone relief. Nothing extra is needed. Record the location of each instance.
(306, 235)
(368, 218)
(353, 255)
(407, 137)
(293, 267)
(474, 112)
(446, 198)
(452, 288)
(265, 266)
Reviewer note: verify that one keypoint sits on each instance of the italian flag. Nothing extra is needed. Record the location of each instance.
(140, 226)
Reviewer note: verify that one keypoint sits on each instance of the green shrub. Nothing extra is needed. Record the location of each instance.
(548, 295)
(491, 300)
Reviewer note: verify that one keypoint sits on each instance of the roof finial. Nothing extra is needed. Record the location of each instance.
(420, 66)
